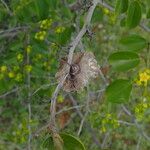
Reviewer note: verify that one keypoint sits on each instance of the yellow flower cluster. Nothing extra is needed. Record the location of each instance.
(59, 29)
(28, 68)
(45, 24)
(109, 120)
(112, 16)
(40, 35)
(20, 57)
(106, 11)
(3, 69)
(140, 109)
(143, 77)
(11, 73)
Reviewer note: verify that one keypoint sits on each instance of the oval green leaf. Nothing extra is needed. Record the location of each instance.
(69, 142)
(132, 43)
(119, 91)
(134, 14)
(124, 61)
(121, 6)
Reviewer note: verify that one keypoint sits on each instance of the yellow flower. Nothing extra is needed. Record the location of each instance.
(19, 77)
(141, 108)
(11, 74)
(138, 82)
(60, 99)
(103, 129)
(137, 110)
(144, 77)
(3, 68)
(145, 105)
(106, 11)
(59, 29)
(147, 71)
(28, 49)
(40, 35)
(28, 68)
(45, 24)
(20, 57)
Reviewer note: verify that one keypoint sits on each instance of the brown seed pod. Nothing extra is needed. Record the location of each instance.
(83, 68)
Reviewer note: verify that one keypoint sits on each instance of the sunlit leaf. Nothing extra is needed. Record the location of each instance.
(133, 43)
(124, 61)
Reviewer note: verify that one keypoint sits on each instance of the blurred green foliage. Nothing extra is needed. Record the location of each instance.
(35, 35)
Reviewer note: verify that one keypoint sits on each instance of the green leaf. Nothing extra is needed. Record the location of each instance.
(48, 143)
(134, 14)
(123, 61)
(121, 6)
(69, 142)
(133, 43)
(25, 13)
(119, 91)
(42, 9)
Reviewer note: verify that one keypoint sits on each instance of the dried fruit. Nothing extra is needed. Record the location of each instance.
(84, 67)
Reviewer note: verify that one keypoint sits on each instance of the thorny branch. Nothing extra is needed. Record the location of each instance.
(9, 92)
(73, 45)
(13, 31)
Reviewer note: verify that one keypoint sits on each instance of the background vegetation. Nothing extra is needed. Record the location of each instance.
(113, 112)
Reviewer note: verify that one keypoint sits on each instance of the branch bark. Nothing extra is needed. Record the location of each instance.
(73, 45)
